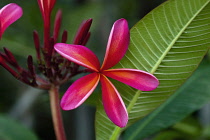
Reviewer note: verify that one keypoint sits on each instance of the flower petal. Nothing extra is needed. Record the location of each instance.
(78, 54)
(113, 103)
(79, 91)
(9, 14)
(117, 44)
(138, 79)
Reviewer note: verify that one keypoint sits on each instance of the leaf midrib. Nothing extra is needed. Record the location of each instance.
(174, 40)
(117, 130)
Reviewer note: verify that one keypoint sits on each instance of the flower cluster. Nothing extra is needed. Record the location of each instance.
(56, 69)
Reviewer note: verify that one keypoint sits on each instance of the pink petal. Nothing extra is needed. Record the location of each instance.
(113, 103)
(79, 91)
(1, 33)
(138, 79)
(78, 54)
(117, 44)
(9, 14)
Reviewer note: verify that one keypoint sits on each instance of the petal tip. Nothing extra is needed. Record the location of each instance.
(120, 121)
(9, 14)
(65, 106)
(123, 123)
(153, 84)
(122, 20)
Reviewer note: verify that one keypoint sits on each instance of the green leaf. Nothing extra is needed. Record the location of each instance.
(169, 135)
(169, 42)
(190, 97)
(17, 48)
(11, 130)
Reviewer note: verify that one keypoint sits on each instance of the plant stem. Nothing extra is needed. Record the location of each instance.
(56, 113)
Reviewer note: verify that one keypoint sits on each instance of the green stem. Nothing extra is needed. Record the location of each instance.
(116, 133)
(56, 113)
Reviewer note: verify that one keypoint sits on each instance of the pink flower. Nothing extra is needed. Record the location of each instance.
(81, 89)
(9, 14)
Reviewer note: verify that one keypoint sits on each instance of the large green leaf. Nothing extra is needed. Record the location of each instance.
(12, 130)
(190, 97)
(17, 48)
(169, 42)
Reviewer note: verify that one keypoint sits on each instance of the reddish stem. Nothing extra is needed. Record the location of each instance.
(37, 45)
(57, 25)
(56, 113)
(14, 73)
(46, 33)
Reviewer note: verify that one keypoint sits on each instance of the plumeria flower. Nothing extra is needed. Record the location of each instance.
(81, 89)
(9, 14)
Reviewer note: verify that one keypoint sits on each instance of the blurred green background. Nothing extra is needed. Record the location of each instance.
(30, 107)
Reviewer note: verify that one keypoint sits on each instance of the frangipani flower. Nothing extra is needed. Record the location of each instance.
(81, 89)
(9, 14)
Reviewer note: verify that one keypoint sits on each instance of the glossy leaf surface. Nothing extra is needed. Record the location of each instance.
(189, 98)
(12, 130)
